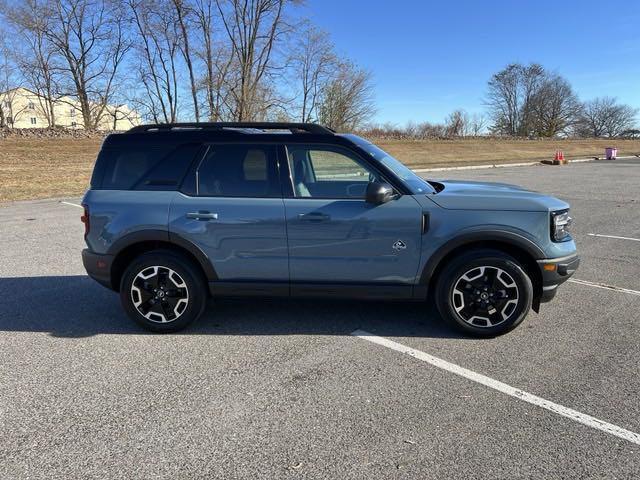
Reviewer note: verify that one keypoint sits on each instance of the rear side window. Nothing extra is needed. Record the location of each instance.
(229, 170)
(146, 168)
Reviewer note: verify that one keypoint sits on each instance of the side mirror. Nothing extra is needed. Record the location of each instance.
(378, 193)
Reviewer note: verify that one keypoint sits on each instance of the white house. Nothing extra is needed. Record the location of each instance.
(22, 108)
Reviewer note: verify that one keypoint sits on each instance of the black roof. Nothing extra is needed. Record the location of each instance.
(170, 134)
(245, 127)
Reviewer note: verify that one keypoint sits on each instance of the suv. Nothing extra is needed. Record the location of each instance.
(180, 212)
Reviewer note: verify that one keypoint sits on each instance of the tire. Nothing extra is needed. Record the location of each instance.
(484, 293)
(163, 291)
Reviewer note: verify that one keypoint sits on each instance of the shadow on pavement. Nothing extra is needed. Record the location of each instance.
(75, 306)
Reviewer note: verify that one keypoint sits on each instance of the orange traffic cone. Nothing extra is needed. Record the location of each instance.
(558, 159)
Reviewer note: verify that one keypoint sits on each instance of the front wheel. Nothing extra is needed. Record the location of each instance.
(162, 291)
(484, 293)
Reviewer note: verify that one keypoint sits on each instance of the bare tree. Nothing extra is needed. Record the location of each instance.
(532, 77)
(509, 98)
(218, 60)
(477, 124)
(504, 99)
(11, 81)
(457, 123)
(7, 70)
(554, 108)
(120, 112)
(183, 13)
(621, 119)
(158, 52)
(431, 130)
(253, 28)
(89, 35)
(37, 58)
(605, 117)
(347, 100)
(313, 63)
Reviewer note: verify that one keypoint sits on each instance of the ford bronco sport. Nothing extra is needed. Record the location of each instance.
(180, 212)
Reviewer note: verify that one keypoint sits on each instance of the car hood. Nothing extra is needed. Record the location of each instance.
(467, 195)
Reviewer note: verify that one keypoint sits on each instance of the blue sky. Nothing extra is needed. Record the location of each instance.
(429, 58)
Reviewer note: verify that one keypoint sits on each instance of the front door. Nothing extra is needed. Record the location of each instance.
(335, 236)
(236, 214)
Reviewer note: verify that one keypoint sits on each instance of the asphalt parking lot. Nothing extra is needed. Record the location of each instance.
(282, 389)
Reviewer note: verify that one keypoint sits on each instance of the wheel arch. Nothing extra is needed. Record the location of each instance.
(521, 248)
(138, 243)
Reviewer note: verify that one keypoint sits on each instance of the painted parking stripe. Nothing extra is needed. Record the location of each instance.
(604, 286)
(613, 236)
(72, 204)
(556, 408)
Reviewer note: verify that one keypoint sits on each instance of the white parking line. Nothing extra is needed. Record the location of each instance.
(574, 415)
(613, 236)
(72, 204)
(604, 286)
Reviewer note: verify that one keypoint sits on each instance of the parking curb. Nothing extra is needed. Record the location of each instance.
(504, 165)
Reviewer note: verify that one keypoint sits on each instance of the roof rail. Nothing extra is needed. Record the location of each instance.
(292, 127)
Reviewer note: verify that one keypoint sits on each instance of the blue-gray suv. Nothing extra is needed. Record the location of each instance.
(180, 212)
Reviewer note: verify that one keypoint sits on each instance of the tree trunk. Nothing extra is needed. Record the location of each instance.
(187, 56)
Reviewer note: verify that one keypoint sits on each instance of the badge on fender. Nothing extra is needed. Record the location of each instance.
(399, 245)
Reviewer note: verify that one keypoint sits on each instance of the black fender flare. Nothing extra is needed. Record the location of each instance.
(514, 239)
(156, 235)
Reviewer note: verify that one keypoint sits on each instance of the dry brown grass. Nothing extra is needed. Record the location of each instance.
(43, 168)
(58, 167)
(482, 151)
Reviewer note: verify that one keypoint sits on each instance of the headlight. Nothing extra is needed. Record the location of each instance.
(560, 222)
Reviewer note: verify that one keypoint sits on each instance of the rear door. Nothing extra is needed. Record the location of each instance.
(231, 207)
(335, 236)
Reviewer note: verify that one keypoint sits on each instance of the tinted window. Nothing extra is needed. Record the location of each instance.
(145, 168)
(238, 171)
(169, 172)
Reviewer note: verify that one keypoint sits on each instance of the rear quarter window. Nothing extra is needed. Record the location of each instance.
(145, 168)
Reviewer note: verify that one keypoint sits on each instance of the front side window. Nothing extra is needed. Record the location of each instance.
(229, 170)
(320, 171)
(416, 184)
(33, 120)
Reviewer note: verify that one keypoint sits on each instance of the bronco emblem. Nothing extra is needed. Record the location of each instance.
(399, 245)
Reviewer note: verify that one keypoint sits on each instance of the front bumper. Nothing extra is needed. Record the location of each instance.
(98, 267)
(556, 271)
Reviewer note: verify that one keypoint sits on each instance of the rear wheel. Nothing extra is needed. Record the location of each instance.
(163, 291)
(484, 293)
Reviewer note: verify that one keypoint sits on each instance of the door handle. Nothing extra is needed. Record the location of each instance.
(202, 215)
(313, 217)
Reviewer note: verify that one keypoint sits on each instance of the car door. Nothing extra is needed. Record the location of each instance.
(232, 209)
(335, 236)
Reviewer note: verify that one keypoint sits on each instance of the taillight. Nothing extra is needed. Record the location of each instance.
(85, 219)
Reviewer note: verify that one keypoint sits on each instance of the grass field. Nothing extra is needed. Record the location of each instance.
(483, 151)
(48, 168)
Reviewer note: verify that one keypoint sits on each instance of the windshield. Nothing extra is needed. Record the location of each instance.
(415, 183)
